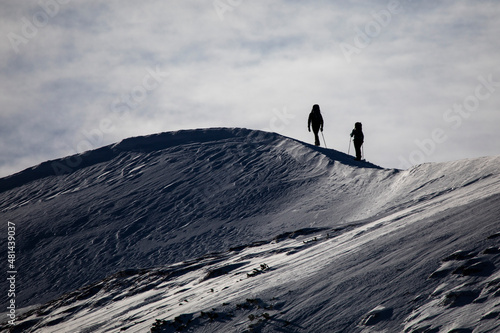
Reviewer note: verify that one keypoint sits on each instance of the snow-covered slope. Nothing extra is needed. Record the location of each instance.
(233, 230)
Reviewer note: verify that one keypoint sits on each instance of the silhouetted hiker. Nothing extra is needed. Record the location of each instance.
(357, 134)
(316, 120)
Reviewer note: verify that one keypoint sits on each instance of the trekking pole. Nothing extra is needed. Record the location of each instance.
(363, 152)
(324, 139)
(349, 150)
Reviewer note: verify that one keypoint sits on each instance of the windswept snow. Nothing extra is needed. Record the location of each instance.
(233, 230)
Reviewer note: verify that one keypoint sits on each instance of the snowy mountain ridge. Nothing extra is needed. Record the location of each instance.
(234, 230)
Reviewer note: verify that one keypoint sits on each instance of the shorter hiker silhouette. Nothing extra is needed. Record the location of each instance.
(358, 139)
(316, 120)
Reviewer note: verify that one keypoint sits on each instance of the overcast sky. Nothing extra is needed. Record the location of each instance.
(422, 76)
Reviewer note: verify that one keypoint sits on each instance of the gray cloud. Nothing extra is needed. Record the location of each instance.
(90, 64)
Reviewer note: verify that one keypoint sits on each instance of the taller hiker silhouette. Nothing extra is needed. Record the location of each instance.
(316, 120)
(358, 139)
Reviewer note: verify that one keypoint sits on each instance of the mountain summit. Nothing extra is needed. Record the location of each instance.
(233, 230)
